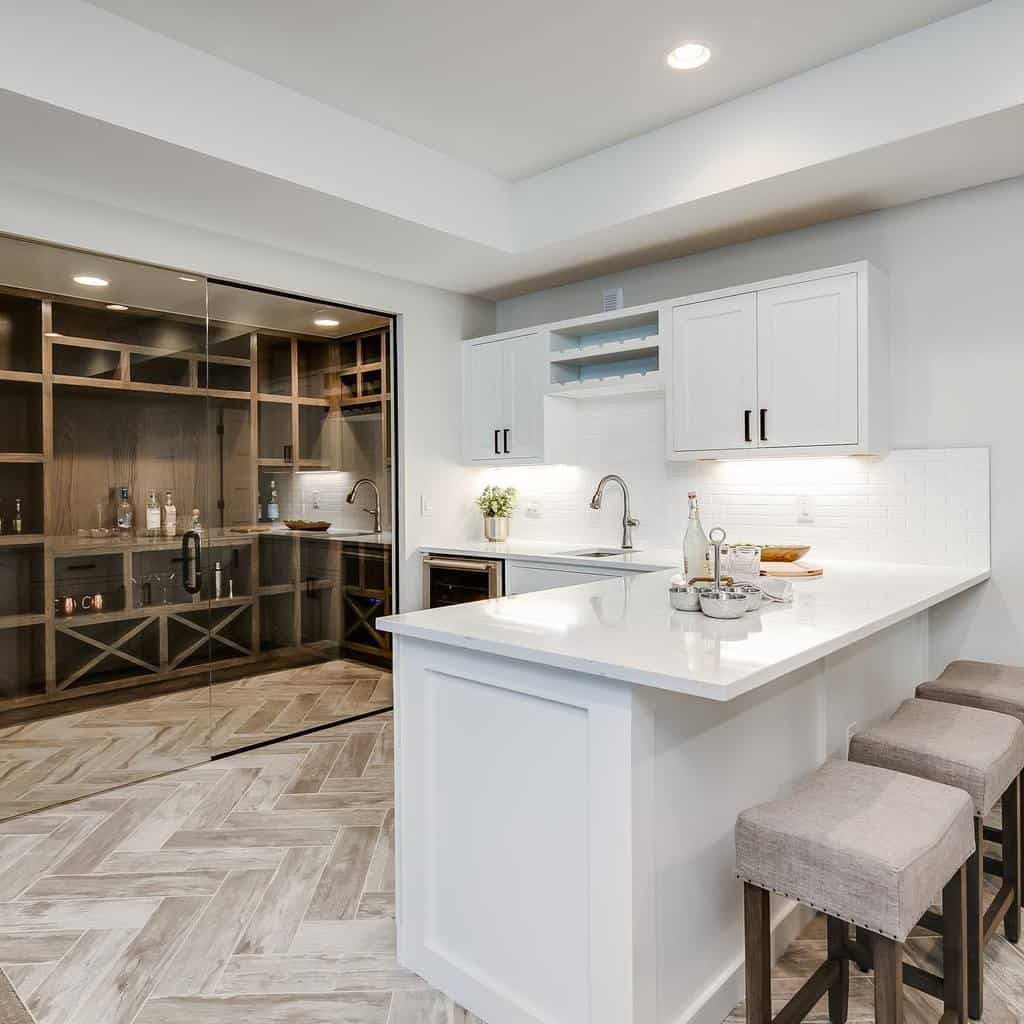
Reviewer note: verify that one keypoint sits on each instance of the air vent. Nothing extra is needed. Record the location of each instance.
(611, 298)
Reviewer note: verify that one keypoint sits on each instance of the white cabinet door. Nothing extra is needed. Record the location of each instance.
(524, 577)
(484, 395)
(807, 363)
(523, 397)
(713, 387)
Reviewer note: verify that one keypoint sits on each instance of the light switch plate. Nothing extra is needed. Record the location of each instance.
(533, 509)
(426, 505)
(804, 509)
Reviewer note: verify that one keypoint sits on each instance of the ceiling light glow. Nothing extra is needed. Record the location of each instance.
(91, 281)
(187, 280)
(326, 321)
(689, 56)
(117, 307)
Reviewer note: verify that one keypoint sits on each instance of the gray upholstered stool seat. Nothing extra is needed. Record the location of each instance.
(861, 843)
(979, 684)
(975, 750)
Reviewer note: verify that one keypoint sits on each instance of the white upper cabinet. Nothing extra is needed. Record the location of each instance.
(795, 366)
(503, 399)
(712, 380)
(807, 381)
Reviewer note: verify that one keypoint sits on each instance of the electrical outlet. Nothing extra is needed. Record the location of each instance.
(851, 730)
(532, 510)
(805, 509)
(426, 505)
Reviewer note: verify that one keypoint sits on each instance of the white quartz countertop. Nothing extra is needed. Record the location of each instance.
(642, 558)
(624, 628)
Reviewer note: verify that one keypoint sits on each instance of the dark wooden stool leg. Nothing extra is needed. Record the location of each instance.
(888, 980)
(1020, 818)
(839, 991)
(864, 939)
(975, 926)
(954, 941)
(1011, 858)
(757, 937)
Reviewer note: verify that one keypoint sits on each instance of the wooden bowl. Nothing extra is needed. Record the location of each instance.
(318, 526)
(783, 553)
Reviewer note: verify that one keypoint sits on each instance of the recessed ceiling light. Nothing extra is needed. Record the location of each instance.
(91, 281)
(689, 56)
(188, 280)
(117, 307)
(326, 321)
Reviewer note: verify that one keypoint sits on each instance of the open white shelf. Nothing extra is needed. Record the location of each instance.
(609, 355)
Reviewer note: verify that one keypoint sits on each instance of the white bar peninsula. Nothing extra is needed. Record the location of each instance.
(570, 763)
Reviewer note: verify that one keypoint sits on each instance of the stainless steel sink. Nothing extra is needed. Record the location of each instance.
(598, 553)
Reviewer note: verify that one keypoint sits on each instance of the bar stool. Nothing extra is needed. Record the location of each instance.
(982, 753)
(866, 846)
(993, 687)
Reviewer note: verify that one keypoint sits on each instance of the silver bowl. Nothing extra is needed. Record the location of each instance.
(723, 604)
(753, 595)
(684, 598)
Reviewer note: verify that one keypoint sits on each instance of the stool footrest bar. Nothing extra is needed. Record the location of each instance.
(803, 1000)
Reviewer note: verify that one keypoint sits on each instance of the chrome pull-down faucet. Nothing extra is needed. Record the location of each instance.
(628, 522)
(375, 511)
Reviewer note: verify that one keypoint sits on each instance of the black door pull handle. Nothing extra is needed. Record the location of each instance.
(746, 425)
(497, 450)
(505, 432)
(192, 580)
(764, 435)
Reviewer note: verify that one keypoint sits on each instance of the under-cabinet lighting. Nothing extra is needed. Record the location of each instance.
(689, 56)
(326, 321)
(91, 281)
(116, 307)
(187, 280)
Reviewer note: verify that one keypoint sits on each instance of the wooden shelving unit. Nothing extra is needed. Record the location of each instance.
(288, 588)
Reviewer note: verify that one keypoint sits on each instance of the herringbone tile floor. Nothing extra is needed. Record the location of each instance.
(256, 888)
(67, 757)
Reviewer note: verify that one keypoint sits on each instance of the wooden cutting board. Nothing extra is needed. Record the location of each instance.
(791, 570)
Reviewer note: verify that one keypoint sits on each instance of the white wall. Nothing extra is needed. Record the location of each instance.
(432, 323)
(957, 333)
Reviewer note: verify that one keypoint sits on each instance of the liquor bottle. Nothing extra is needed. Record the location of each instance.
(194, 523)
(273, 509)
(170, 516)
(218, 581)
(696, 559)
(125, 514)
(152, 516)
(17, 515)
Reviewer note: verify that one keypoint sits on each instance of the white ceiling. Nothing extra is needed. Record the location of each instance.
(516, 89)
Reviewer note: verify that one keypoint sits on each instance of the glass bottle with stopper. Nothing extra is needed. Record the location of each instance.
(696, 560)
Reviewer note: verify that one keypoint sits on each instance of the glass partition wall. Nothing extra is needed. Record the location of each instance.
(181, 573)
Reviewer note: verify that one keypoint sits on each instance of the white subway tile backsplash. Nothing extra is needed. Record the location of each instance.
(928, 506)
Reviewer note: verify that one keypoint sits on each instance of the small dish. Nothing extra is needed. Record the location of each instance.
(753, 594)
(317, 526)
(684, 598)
(723, 604)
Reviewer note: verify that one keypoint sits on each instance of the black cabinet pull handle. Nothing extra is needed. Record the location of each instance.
(497, 450)
(192, 556)
(746, 425)
(764, 435)
(505, 432)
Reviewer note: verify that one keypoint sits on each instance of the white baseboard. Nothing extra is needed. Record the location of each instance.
(723, 994)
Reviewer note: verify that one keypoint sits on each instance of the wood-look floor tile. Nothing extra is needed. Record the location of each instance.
(19, 947)
(125, 886)
(281, 911)
(337, 896)
(134, 972)
(56, 1000)
(197, 966)
(326, 1008)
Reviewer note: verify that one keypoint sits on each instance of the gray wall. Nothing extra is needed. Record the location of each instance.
(955, 265)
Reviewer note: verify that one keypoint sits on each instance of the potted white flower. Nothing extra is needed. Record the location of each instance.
(496, 504)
